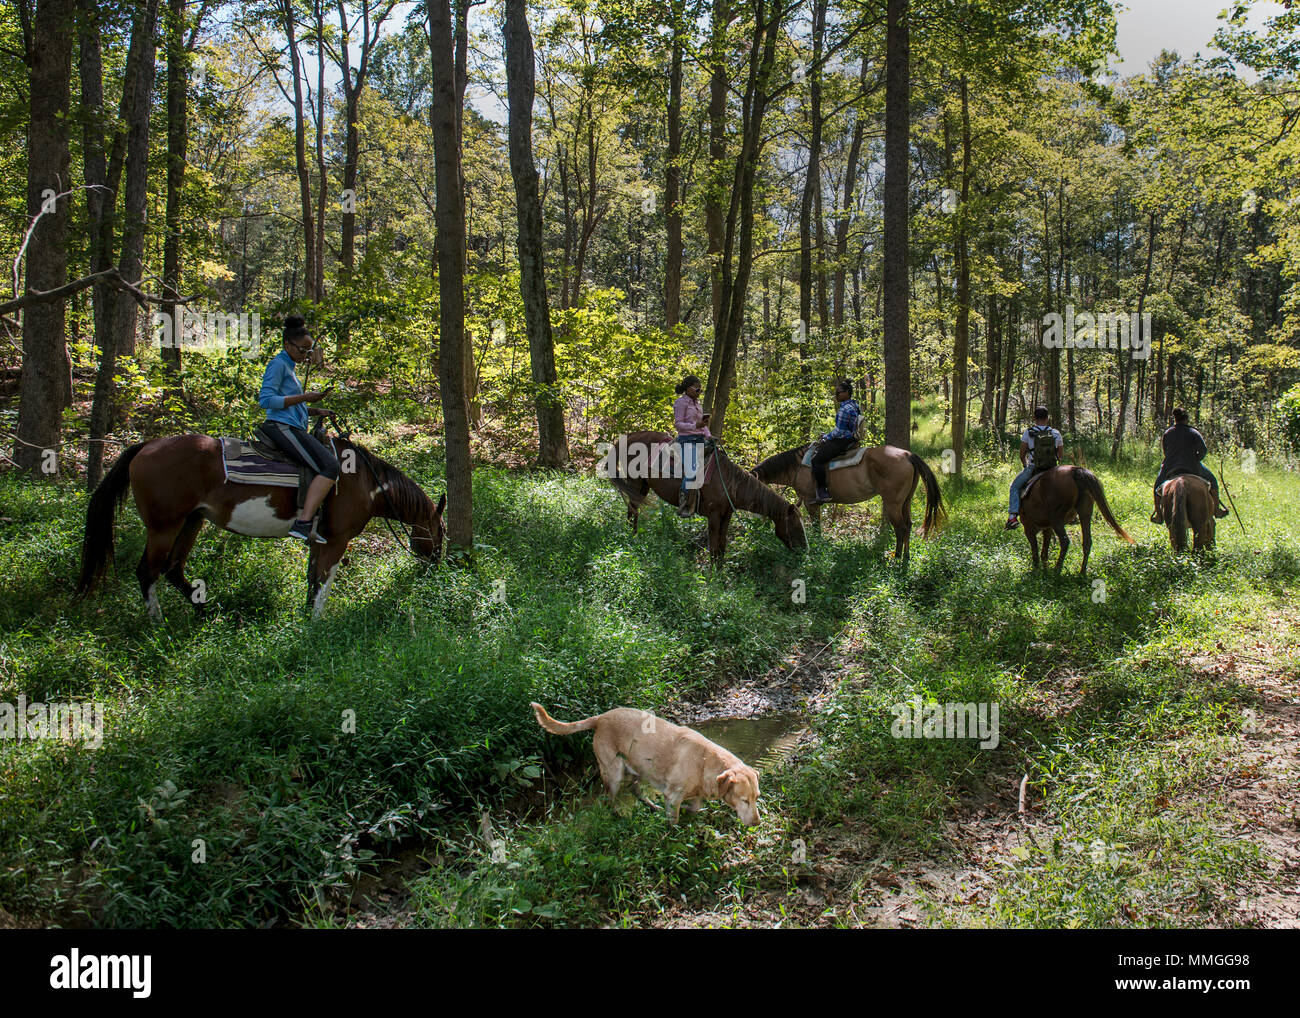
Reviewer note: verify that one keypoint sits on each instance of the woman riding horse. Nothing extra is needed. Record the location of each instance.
(692, 425)
(286, 421)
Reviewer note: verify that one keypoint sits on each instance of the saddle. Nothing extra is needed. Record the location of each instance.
(256, 460)
(668, 461)
(853, 456)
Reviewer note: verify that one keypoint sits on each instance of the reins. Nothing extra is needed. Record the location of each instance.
(383, 488)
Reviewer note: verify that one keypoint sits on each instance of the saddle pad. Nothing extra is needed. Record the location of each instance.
(851, 460)
(244, 465)
(668, 462)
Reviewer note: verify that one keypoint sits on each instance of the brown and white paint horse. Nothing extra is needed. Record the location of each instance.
(885, 470)
(179, 482)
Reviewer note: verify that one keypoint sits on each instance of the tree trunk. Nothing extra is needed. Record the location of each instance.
(450, 223)
(898, 360)
(1125, 356)
(553, 448)
(961, 341)
(716, 187)
(812, 178)
(673, 177)
(300, 153)
(767, 27)
(843, 220)
(177, 129)
(46, 372)
(136, 102)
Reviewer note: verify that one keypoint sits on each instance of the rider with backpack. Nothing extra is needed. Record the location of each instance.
(1041, 448)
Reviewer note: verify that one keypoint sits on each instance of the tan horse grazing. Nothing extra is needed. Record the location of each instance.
(885, 470)
(1183, 499)
(1060, 496)
(637, 465)
(179, 482)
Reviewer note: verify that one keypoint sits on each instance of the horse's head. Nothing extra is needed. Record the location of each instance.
(789, 528)
(428, 535)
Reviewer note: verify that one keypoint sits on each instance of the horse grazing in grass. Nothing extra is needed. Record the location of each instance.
(885, 470)
(1059, 496)
(180, 481)
(726, 487)
(1186, 499)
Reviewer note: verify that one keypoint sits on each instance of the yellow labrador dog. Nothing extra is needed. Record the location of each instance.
(680, 763)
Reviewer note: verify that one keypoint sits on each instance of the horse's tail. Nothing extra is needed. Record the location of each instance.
(635, 490)
(1087, 481)
(1178, 523)
(97, 545)
(934, 512)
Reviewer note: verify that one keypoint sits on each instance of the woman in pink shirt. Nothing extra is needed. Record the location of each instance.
(692, 425)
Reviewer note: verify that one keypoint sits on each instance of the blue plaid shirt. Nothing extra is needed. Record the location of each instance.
(846, 420)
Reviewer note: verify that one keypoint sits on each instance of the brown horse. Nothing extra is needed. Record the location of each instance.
(1060, 496)
(637, 470)
(1183, 499)
(885, 470)
(179, 482)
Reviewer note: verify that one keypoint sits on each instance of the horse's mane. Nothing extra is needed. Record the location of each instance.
(408, 500)
(747, 491)
(783, 461)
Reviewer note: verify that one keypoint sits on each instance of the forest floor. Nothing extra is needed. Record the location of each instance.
(380, 767)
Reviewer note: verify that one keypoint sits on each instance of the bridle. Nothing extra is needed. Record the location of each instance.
(332, 417)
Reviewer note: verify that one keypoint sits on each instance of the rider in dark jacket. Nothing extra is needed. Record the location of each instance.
(1184, 448)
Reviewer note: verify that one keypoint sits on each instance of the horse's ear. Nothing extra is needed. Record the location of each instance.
(442, 504)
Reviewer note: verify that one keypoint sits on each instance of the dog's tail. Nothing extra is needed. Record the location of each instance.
(561, 727)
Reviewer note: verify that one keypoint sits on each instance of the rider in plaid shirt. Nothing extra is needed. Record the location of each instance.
(833, 443)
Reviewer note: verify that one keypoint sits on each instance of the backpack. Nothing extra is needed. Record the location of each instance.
(1043, 451)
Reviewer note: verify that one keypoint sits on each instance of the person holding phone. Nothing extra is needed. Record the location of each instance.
(692, 425)
(285, 403)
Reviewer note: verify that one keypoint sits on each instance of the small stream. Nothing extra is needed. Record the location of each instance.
(762, 742)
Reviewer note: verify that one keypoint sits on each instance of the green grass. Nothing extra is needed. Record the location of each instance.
(230, 737)
(245, 712)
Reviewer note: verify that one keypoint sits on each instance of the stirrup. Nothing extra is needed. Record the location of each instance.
(1222, 512)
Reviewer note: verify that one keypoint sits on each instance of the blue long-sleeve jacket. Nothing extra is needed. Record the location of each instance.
(279, 382)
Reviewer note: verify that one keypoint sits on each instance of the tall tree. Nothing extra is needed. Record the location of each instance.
(371, 17)
(898, 356)
(136, 101)
(445, 115)
(47, 42)
(553, 446)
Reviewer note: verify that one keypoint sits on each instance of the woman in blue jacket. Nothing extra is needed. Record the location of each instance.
(286, 421)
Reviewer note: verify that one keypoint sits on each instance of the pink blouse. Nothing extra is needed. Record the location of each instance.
(688, 417)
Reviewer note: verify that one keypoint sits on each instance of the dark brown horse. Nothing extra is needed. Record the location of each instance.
(638, 464)
(1060, 496)
(885, 470)
(1186, 499)
(179, 482)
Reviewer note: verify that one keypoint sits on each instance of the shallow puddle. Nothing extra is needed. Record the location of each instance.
(762, 742)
